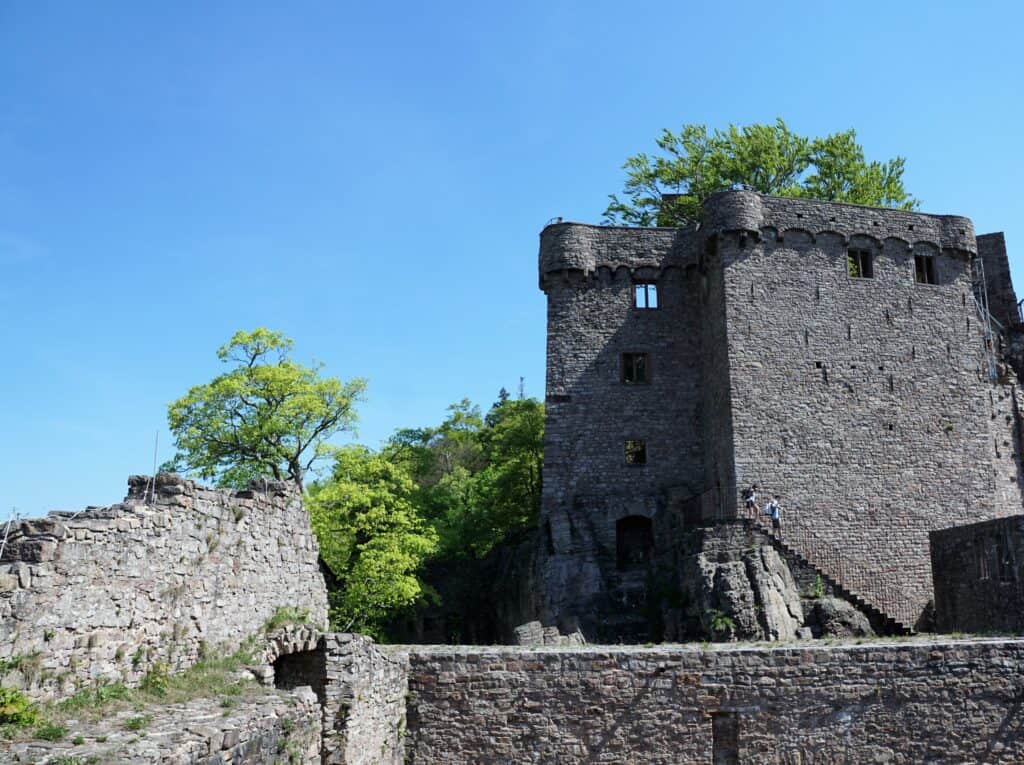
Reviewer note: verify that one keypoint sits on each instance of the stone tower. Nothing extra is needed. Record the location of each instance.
(833, 353)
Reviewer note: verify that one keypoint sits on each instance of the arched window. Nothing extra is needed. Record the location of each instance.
(633, 542)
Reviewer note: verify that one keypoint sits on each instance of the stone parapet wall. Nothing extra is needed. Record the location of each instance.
(894, 702)
(174, 570)
(364, 702)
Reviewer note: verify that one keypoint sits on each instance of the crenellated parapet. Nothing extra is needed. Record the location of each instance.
(584, 249)
(778, 218)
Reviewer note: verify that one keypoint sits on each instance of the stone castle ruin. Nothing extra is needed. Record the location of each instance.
(858, 362)
(846, 358)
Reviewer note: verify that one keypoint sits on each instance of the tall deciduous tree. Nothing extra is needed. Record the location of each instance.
(267, 415)
(669, 189)
(371, 537)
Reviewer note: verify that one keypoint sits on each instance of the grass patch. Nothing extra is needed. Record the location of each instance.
(138, 722)
(51, 731)
(217, 676)
(93, 697)
(287, 615)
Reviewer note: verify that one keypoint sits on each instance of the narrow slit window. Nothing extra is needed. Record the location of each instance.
(636, 452)
(924, 269)
(645, 295)
(859, 264)
(635, 368)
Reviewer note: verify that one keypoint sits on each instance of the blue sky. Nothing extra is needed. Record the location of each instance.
(370, 178)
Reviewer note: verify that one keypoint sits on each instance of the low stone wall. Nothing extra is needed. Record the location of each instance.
(885, 702)
(105, 594)
(268, 727)
(364, 702)
(979, 576)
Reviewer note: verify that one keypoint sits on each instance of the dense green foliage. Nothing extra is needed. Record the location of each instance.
(477, 478)
(266, 416)
(371, 537)
(453, 491)
(771, 159)
(450, 491)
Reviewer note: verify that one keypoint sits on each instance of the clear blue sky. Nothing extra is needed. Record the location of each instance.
(370, 178)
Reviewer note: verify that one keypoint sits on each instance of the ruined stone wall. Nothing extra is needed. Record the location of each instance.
(862, 401)
(258, 727)
(1002, 299)
(591, 411)
(364, 706)
(979, 576)
(900, 702)
(103, 595)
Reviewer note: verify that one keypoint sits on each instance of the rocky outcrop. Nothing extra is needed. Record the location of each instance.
(743, 589)
(834, 617)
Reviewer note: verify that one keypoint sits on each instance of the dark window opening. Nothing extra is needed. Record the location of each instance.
(636, 452)
(725, 738)
(924, 269)
(635, 368)
(1004, 564)
(302, 668)
(859, 264)
(645, 295)
(634, 540)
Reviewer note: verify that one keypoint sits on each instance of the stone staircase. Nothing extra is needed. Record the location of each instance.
(885, 605)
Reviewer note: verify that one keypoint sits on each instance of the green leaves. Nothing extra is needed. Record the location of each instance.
(266, 416)
(669, 189)
(371, 537)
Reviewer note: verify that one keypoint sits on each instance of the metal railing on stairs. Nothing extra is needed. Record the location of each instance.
(873, 587)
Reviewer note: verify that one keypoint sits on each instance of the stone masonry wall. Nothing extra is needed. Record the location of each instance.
(1002, 299)
(862, 401)
(364, 703)
(979, 576)
(591, 411)
(898, 702)
(103, 595)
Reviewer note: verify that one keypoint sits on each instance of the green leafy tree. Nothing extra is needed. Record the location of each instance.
(267, 415)
(477, 478)
(371, 537)
(669, 188)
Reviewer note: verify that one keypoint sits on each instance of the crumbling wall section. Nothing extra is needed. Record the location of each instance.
(979, 576)
(953, 701)
(1002, 298)
(175, 570)
(364, 716)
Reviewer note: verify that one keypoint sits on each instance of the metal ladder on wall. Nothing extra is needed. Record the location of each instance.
(980, 289)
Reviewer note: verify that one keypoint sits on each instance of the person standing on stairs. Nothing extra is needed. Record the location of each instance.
(750, 500)
(774, 511)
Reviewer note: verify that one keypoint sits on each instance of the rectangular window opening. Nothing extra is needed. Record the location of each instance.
(924, 269)
(859, 264)
(635, 368)
(645, 295)
(636, 452)
(725, 738)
